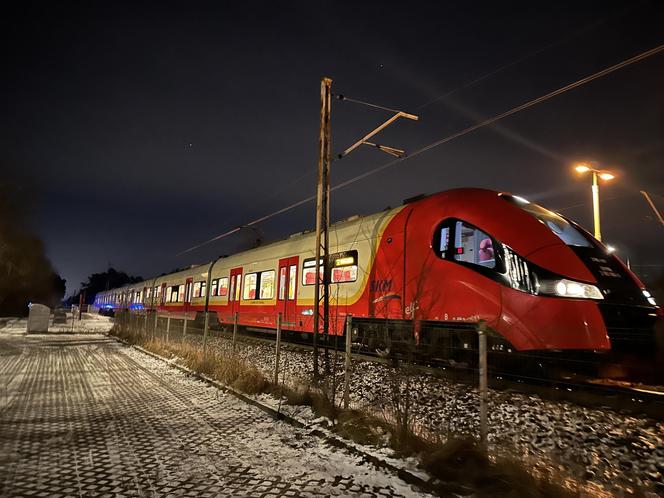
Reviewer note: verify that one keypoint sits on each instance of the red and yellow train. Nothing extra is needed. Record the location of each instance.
(439, 263)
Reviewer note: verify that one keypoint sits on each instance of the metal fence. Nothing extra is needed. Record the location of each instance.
(344, 360)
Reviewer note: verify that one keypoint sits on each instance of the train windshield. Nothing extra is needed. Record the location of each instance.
(556, 223)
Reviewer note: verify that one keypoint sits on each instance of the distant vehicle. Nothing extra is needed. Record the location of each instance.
(427, 272)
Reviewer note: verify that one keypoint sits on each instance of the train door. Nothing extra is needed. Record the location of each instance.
(234, 291)
(187, 293)
(287, 295)
(163, 294)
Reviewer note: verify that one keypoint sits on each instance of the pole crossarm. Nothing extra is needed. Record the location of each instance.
(389, 150)
(375, 131)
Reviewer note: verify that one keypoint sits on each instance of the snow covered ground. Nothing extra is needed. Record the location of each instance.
(604, 451)
(85, 415)
(89, 323)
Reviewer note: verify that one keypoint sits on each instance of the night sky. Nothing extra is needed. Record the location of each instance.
(137, 130)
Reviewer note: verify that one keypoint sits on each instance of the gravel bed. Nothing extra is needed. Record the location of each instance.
(606, 452)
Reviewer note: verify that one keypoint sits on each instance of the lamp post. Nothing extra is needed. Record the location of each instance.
(598, 174)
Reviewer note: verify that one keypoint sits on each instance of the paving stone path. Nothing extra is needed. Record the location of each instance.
(81, 415)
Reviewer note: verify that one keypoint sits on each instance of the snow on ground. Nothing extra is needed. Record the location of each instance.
(89, 323)
(86, 415)
(283, 449)
(608, 450)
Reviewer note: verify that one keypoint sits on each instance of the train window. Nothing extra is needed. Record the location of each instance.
(199, 288)
(342, 275)
(344, 267)
(259, 285)
(238, 280)
(282, 283)
(235, 287)
(472, 245)
(250, 281)
(292, 281)
(267, 284)
(173, 294)
(444, 241)
(223, 286)
(180, 298)
(309, 271)
(563, 229)
(214, 285)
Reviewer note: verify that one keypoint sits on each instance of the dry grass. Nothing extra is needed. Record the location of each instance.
(307, 395)
(228, 369)
(462, 464)
(358, 426)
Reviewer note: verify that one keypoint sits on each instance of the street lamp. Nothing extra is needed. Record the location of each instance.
(602, 175)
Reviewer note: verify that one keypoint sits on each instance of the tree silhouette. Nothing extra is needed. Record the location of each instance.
(26, 274)
(99, 282)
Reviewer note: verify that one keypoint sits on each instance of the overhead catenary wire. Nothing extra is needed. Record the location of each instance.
(523, 58)
(361, 102)
(449, 93)
(487, 122)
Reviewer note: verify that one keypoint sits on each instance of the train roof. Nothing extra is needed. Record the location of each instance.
(466, 198)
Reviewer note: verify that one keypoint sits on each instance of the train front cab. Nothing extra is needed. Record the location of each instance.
(627, 310)
(569, 295)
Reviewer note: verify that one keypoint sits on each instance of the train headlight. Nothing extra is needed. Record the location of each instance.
(649, 297)
(569, 288)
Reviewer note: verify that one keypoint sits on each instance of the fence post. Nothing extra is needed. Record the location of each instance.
(147, 331)
(483, 371)
(184, 328)
(156, 319)
(349, 328)
(235, 317)
(278, 352)
(168, 326)
(205, 333)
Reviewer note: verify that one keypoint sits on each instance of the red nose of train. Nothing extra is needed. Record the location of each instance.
(583, 297)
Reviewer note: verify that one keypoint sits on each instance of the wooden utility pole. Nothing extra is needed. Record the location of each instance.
(322, 288)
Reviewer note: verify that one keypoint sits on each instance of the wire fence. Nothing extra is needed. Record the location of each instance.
(471, 355)
(349, 377)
